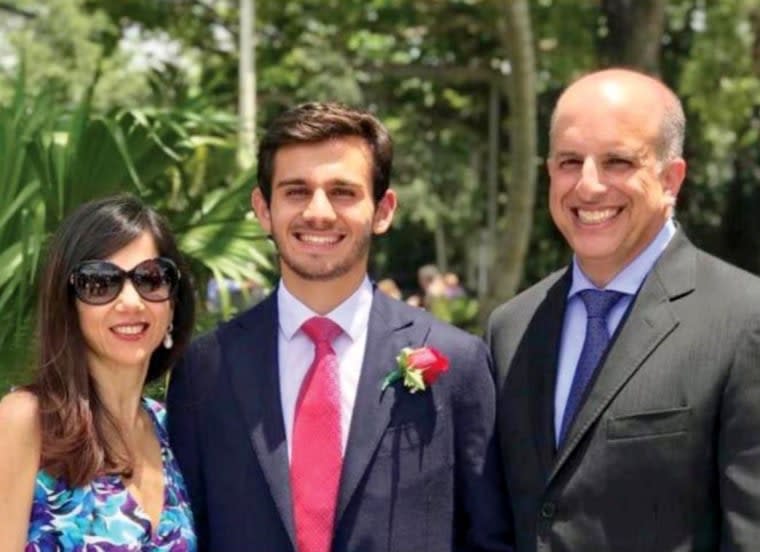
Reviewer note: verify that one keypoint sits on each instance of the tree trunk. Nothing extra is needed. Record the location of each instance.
(510, 244)
(247, 91)
(634, 34)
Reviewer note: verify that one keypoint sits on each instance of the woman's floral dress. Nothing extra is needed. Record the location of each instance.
(104, 517)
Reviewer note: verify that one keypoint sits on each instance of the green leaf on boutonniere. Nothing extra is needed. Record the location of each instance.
(414, 381)
(391, 378)
(419, 368)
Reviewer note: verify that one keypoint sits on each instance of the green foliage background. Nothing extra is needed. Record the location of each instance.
(140, 95)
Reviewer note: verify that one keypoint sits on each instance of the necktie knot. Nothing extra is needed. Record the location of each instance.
(599, 302)
(321, 329)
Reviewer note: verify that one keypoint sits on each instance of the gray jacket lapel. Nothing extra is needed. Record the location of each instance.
(392, 326)
(649, 322)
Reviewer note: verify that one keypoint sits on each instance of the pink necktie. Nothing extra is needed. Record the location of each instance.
(316, 453)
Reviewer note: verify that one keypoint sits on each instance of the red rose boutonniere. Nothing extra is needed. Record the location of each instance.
(418, 368)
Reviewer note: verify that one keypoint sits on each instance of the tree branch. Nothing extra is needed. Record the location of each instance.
(450, 73)
(4, 6)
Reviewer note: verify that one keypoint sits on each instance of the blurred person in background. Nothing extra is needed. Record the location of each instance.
(389, 287)
(452, 287)
(431, 285)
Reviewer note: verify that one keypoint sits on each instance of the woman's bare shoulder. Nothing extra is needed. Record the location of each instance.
(20, 439)
(19, 415)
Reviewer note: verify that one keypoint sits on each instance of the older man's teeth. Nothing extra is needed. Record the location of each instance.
(129, 330)
(596, 217)
(319, 240)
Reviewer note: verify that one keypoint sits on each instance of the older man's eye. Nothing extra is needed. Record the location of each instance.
(569, 163)
(619, 163)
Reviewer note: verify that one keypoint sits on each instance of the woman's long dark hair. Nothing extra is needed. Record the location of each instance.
(80, 438)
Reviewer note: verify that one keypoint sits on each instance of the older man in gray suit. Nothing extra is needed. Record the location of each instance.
(629, 383)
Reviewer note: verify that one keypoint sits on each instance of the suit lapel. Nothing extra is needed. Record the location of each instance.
(392, 326)
(541, 363)
(252, 359)
(649, 322)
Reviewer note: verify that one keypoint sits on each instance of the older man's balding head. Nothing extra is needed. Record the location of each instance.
(636, 92)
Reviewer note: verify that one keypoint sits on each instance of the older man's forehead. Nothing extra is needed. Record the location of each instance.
(613, 124)
(607, 110)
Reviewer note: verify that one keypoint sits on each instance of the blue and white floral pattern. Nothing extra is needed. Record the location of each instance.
(104, 517)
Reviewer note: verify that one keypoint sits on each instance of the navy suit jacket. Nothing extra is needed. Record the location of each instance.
(420, 473)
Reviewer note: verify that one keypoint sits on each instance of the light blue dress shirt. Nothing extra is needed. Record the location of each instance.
(626, 281)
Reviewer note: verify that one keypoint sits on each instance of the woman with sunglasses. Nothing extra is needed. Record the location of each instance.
(85, 461)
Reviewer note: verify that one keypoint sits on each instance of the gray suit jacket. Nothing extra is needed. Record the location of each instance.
(664, 454)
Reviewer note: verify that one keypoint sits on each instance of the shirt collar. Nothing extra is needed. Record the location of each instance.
(629, 279)
(352, 315)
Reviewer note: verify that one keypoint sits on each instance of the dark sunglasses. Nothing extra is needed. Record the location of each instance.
(100, 282)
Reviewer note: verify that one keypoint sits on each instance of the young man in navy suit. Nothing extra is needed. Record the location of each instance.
(285, 433)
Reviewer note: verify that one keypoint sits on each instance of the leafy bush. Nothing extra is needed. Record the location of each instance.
(53, 160)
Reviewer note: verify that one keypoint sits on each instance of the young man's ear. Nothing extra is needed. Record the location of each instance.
(384, 212)
(261, 208)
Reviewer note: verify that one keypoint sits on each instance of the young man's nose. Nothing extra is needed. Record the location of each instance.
(319, 207)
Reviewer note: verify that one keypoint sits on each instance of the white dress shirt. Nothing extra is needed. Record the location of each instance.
(296, 352)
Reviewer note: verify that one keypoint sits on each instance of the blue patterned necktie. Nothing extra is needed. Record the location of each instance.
(598, 305)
